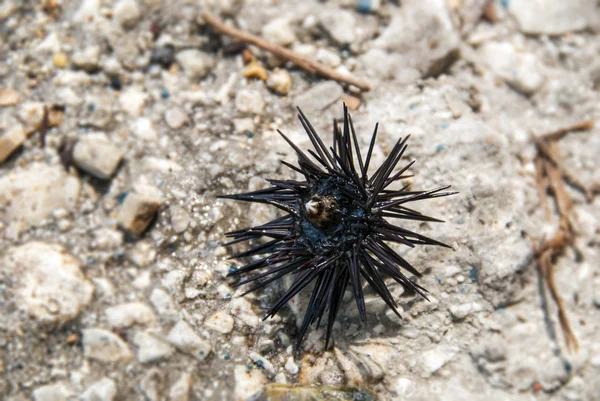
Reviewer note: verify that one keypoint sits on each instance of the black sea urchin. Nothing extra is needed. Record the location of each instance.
(335, 231)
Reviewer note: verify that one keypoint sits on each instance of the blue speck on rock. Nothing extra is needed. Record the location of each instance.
(473, 274)
(91, 107)
(440, 147)
(364, 6)
(164, 93)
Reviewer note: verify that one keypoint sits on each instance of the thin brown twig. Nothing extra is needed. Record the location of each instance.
(551, 175)
(311, 66)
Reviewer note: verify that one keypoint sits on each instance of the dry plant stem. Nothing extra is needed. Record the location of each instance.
(549, 175)
(311, 66)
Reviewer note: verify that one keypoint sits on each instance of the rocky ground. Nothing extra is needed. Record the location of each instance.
(112, 277)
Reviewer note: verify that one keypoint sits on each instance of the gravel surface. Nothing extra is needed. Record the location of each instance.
(122, 120)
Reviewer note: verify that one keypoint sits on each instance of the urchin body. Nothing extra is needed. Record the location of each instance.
(336, 230)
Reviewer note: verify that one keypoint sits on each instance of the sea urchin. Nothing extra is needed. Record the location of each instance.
(335, 231)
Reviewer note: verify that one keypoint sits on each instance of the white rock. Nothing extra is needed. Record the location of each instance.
(50, 44)
(329, 58)
(340, 25)
(87, 59)
(241, 308)
(279, 31)
(53, 392)
(87, 12)
(413, 29)
(461, 311)
(98, 112)
(144, 129)
(432, 360)
(280, 81)
(291, 367)
(49, 284)
(97, 156)
(180, 219)
(520, 70)
(247, 382)
(163, 303)
(151, 385)
(319, 97)
(72, 79)
(9, 97)
(220, 321)
(176, 118)
(142, 254)
(262, 362)
(132, 100)
(127, 13)
(180, 390)
(104, 389)
(249, 101)
(31, 114)
(129, 314)
(552, 17)
(137, 212)
(150, 348)
(107, 238)
(195, 63)
(105, 346)
(185, 339)
(11, 140)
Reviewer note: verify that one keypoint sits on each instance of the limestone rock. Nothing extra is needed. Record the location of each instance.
(97, 156)
(11, 140)
(49, 284)
(129, 314)
(151, 348)
(185, 338)
(105, 346)
(137, 212)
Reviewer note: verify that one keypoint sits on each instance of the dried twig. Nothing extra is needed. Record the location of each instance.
(311, 66)
(550, 174)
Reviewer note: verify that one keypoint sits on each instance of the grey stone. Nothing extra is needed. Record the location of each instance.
(97, 156)
(279, 31)
(50, 285)
(340, 25)
(319, 97)
(552, 17)
(422, 33)
(519, 69)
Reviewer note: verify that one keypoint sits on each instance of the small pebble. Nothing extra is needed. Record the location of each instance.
(195, 63)
(11, 140)
(52, 392)
(137, 212)
(127, 13)
(185, 339)
(249, 101)
(180, 390)
(255, 70)
(352, 102)
(180, 219)
(60, 60)
(97, 156)
(176, 118)
(9, 97)
(280, 81)
(104, 389)
(150, 348)
(459, 312)
(279, 31)
(221, 322)
(104, 346)
(129, 314)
